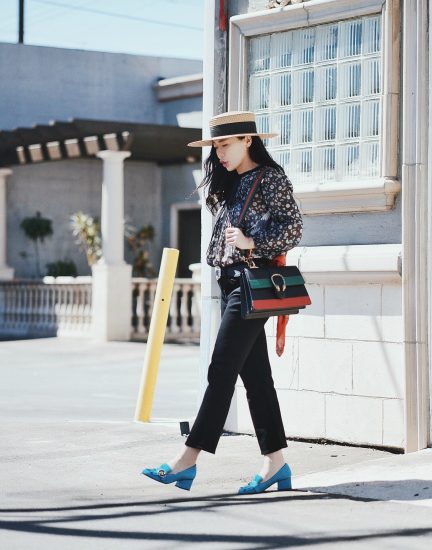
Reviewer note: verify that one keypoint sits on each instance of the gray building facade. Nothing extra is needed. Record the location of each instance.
(45, 84)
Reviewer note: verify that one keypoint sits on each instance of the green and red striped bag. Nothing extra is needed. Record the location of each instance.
(272, 290)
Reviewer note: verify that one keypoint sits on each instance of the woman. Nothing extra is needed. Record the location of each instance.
(271, 226)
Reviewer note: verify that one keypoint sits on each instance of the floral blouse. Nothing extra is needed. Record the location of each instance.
(273, 219)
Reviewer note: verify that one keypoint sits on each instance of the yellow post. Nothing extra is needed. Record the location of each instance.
(156, 335)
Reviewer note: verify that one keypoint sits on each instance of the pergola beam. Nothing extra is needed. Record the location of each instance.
(146, 142)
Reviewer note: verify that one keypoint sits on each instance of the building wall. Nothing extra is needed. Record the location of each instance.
(342, 374)
(182, 112)
(43, 84)
(336, 229)
(177, 187)
(367, 228)
(57, 190)
(39, 84)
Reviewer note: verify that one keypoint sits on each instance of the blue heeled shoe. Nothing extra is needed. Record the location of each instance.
(282, 477)
(162, 474)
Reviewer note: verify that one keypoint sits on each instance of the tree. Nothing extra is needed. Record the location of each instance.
(37, 229)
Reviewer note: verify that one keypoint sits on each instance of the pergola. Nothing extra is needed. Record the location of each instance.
(112, 142)
(81, 138)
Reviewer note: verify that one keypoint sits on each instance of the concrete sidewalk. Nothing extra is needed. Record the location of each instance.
(71, 459)
(398, 478)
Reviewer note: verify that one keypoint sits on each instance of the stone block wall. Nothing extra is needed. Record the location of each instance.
(341, 376)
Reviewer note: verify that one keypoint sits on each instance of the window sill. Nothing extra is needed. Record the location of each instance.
(305, 14)
(349, 264)
(337, 198)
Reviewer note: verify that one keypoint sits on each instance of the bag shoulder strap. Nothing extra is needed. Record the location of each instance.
(251, 195)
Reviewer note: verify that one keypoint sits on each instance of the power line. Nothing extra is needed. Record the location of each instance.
(44, 13)
(117, 15)
(38, 16)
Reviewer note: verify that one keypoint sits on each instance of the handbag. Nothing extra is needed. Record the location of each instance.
(272, 290)
(269, 290)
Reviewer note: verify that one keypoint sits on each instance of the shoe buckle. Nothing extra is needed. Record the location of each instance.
(161, 473)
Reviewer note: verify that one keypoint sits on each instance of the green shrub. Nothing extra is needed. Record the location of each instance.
(62, 268)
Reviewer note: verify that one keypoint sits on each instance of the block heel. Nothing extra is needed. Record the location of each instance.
(284, 484)
(257, 485)
(184, 484)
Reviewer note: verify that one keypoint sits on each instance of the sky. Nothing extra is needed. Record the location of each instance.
(168, 28)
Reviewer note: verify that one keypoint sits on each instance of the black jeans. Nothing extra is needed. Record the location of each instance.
(240, 349)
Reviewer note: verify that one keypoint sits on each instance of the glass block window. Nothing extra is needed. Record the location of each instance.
(320, 89)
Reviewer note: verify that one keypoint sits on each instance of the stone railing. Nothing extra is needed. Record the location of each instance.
(62, 307)
(50, 307)
(185, 310)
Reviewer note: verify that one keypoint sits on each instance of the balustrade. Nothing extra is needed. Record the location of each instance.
(62, 307)
(51, 307)
(184, 318)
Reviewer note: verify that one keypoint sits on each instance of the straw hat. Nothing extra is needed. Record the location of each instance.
(231, 124)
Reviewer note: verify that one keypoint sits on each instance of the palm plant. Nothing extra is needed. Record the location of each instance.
(138, 242)
(86, 230)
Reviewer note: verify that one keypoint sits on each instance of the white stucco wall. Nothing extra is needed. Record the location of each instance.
(58, 189)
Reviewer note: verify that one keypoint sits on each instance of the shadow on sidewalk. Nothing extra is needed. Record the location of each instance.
(193, 505)
(397, 489)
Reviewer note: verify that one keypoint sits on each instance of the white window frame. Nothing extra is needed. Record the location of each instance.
(378, 194)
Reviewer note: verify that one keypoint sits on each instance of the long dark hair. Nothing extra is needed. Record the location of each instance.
(219, 181)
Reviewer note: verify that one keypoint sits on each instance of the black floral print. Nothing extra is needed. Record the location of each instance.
(273, 218)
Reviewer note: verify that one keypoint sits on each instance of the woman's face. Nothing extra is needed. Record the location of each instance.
(232, 151)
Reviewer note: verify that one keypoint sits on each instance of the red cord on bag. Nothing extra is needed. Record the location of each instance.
(282, 320)
(222, 16)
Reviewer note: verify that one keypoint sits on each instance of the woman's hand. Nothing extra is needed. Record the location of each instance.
(235, 237)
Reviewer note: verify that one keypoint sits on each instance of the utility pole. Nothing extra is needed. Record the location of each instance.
(21, 22)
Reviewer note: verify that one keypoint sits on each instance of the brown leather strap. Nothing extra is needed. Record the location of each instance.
(250, 196)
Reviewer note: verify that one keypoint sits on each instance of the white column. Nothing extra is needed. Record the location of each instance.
(112, 217)
(415, 218)
(112, 277)
(428, 207)
(6, 272)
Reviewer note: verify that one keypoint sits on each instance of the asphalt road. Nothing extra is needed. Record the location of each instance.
(71, 457)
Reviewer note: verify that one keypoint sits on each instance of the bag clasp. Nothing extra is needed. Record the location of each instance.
(278, 287)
